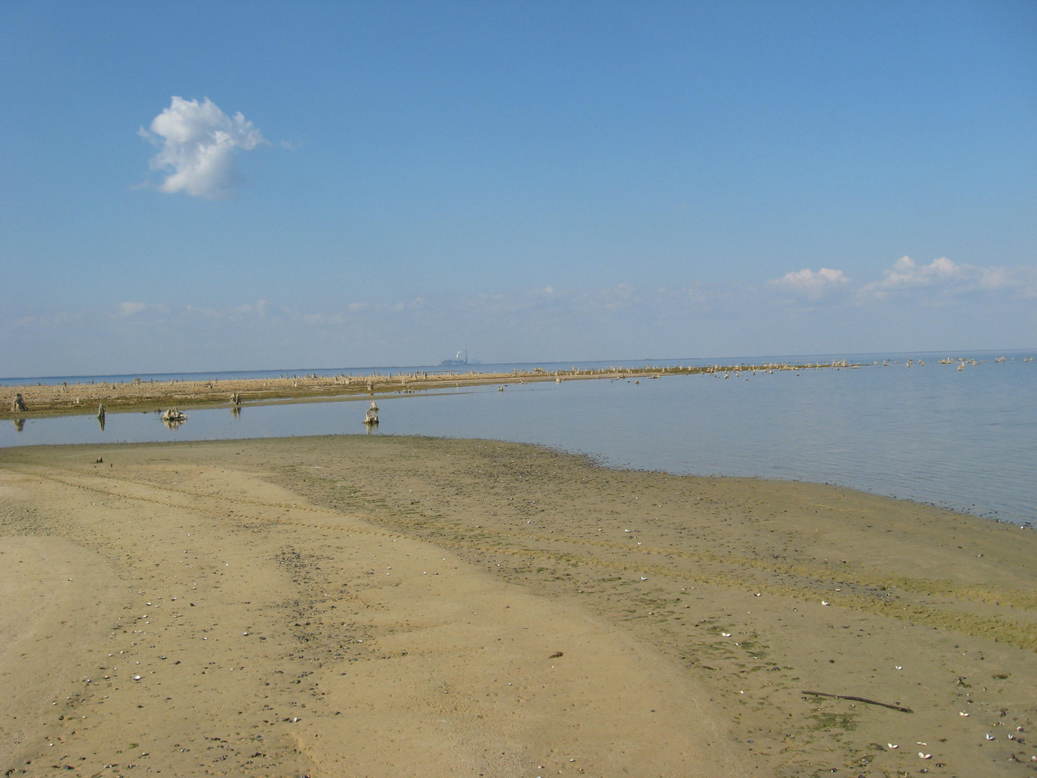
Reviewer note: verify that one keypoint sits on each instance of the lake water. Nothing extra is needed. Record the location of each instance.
(960, 439)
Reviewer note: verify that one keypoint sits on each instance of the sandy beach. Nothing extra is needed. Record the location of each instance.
(383, 606)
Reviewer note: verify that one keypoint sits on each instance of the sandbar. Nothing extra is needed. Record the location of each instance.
(28, 400)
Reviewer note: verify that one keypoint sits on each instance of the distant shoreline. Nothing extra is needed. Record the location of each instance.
(480, 366)
(41, 400)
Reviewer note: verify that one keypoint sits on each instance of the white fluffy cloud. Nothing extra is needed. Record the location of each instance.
(196, 143)
(813, 284)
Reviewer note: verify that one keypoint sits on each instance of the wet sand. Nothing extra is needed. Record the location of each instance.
(406, 606)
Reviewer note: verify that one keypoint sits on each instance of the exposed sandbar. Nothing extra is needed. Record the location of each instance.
(142, 395)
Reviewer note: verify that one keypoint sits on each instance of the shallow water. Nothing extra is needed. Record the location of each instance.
(961, 439)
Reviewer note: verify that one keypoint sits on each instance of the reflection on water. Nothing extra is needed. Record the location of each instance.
(962, 439)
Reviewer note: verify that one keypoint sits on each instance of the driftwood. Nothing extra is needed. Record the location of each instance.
(860, 699)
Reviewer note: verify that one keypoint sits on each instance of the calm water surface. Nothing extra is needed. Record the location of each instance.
(961, 439)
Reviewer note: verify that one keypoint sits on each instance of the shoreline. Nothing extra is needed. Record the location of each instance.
(43, 400)
(420, 590)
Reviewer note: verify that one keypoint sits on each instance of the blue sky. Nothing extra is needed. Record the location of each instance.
(235, 185)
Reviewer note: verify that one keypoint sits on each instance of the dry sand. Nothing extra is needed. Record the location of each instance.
(397, 606)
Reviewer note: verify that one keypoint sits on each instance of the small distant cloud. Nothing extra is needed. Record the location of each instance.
(362, 310)
(996, 278)
(813, 284)
(50, 319)
(622, 295)
(260, 308)
(324, 319)
(406, 305)
(944, 276)
(127, 309)
(908, 274)
(197, 142)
